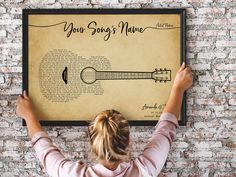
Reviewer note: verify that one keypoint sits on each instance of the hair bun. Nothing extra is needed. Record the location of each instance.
(109, 135)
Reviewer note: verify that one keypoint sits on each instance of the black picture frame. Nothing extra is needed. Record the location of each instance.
(27, 12)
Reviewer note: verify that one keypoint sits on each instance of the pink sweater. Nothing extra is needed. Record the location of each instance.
(147, 164)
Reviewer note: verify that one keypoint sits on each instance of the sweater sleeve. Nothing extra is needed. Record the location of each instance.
(52, 159)
(156, 151)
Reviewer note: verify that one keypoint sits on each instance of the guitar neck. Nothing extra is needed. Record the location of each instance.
(122, 75)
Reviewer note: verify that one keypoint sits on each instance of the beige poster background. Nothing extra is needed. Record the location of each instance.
(136, 99)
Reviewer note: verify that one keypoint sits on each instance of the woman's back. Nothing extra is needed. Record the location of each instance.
(149, 163)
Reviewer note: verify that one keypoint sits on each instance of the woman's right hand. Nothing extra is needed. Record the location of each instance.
(183, 79)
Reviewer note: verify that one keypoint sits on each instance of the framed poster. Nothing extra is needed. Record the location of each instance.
(79, 62)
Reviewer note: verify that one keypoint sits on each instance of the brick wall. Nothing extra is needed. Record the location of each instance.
(205, 147)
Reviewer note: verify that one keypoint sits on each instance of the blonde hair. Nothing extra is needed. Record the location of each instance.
(109, 136)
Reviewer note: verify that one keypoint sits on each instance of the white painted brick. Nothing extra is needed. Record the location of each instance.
(11, 143)
(30, 165)
(3, 33)
(226, 121)
(14, 154)
(202, 2)
(206, 77)
(135, 6)
(233, 164)
(3, 124)
(3, 10)
(82, 2)
(35, 2)
(3, 103)
(190, 12)
(224, 174)
(209, 164)
(232, 101)
(232, 78)
(67, 2)
(12, 22)
(232, 11)
(226, 88)
(199, 44)
(207, 33)
(199, 125)
(208, 11)
(199, 135)
(210, 101)
(73, 135)
(201, 66)
(13, 91)
(199, 154)
(52, 133)
(11, 45)
(16, 10)
(198, 89)
(233, 20)
(180, 164)
(199, 113)
(212, 126)
(190, 101)
(136, 1)
(223, 66)
(225, 43)
(169, 174)
(212, 55)
(225, 113)
(56, 5)
(2, 79)
(209, 21)
(233, 33)
(232, 54)
(105, 1)
(190, 55)
(225, 134)
(180, 145)
(14, 1)
(225, 154)
(208, 144)
(10, 69)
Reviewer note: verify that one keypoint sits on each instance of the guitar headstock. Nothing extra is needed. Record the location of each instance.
(161, 75)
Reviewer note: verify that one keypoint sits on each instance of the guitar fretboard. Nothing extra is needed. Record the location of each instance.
(119, 75)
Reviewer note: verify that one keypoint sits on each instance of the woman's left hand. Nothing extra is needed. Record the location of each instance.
(24, 107)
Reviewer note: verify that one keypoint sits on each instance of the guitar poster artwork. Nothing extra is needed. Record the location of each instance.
(78, 62)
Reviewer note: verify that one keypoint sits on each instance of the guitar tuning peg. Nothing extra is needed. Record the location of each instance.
(165, 69)
(160, 69)
(165, 81)
(155, 69)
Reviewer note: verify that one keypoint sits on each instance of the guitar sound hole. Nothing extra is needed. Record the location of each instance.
(88, 75)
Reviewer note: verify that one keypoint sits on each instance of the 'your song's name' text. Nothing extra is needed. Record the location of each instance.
(121, 28)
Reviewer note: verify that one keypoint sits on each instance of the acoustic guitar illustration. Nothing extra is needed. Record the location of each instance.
(90, 75)
(64, 76)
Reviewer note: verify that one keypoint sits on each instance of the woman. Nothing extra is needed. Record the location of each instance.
(109, 136)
